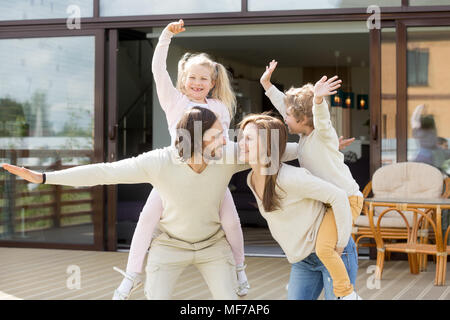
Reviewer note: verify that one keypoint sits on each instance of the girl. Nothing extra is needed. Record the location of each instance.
(198, 77)
(292, 201)
(306, 113)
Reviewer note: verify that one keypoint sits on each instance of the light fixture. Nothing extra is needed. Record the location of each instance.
(337, 98)
(348, 103)
(362, 103)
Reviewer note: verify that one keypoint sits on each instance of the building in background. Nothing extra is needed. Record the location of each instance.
(77, 91)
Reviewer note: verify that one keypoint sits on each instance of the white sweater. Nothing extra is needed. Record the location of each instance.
(294, 226)
(319, 152)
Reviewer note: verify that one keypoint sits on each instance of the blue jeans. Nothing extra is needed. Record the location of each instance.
(309, 276)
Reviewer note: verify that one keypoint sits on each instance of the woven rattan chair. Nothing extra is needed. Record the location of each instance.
(400, 180)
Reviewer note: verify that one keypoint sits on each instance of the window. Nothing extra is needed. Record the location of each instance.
(266, 5)
(110, 8)
(429, 2)
(417, 60)
(44, 9)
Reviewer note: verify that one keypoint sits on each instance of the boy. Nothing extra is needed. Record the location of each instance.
(306, 113)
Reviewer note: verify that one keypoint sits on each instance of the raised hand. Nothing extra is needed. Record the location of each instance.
(176, 27)
(31, 176)
(325, 87)
(265, 78)
(415, 117)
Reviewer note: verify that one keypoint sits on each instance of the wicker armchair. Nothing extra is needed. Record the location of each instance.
(393, 226)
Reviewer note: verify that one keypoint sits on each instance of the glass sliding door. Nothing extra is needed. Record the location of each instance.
(428, 96)
(47, 122)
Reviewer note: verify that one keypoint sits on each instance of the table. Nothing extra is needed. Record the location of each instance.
(428, 209)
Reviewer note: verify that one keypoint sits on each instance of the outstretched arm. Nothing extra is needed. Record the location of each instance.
(165, 89)
(26, 174)
(126, 171)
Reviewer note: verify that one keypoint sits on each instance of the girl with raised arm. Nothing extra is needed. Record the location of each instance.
(201, 82)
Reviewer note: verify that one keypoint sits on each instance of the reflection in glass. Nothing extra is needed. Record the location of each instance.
(110, 8)
(46, 123)
(388, 97)
(265, 5)
(53, 9)
(429, 2)
(429, 99)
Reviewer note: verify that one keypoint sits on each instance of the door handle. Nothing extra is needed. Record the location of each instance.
(374, 132)
(112, 132)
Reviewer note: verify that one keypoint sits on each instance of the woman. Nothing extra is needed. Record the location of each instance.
(293, 202)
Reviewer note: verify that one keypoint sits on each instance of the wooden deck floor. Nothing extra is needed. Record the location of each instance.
(41, 274)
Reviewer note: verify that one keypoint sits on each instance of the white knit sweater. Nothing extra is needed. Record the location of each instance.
(294, 226)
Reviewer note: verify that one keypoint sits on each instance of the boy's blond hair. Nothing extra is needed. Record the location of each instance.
(299, 102)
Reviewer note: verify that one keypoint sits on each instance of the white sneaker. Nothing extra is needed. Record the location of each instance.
(351, 296)
(242, 289)
(137, 283)
(243, 286)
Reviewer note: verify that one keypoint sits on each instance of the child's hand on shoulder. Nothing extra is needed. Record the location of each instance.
(344, 143)
(176, 27)
(325, 87)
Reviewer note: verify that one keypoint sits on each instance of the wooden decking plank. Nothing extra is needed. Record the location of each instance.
(41, 274)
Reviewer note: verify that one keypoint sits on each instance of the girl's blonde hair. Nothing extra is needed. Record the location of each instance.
(222, 89)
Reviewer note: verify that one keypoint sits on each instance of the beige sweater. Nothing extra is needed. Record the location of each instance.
(294, 226)
(191, 200)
